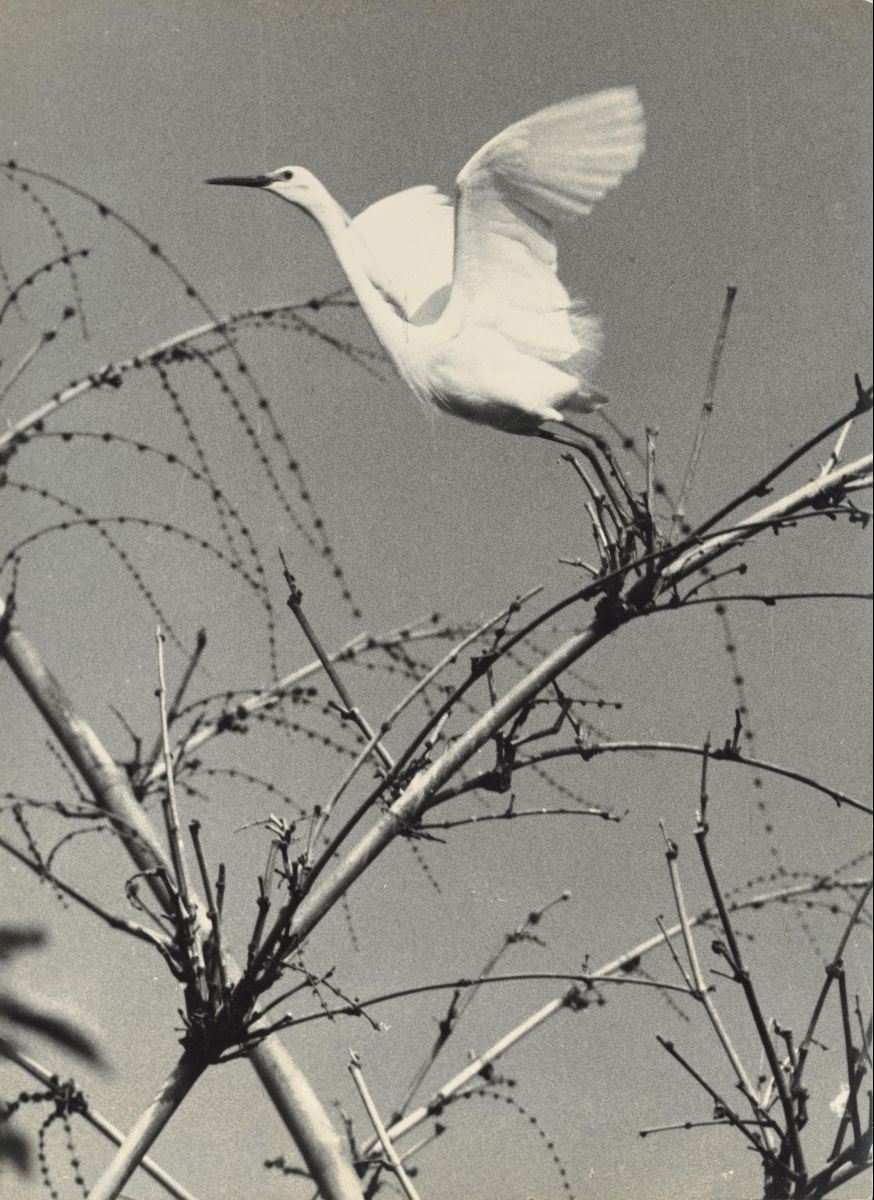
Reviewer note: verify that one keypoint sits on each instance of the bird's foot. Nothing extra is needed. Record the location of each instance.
(624, 523)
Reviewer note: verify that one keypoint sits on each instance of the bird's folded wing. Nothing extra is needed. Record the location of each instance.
(409, 240)
(556, 163)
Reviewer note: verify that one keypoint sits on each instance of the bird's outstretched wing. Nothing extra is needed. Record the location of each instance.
(556, 163)
(409, 239)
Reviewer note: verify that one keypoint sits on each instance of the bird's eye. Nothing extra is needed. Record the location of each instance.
(288, 174)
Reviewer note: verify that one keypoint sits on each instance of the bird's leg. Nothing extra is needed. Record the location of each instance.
(616, 471)
(609, 490)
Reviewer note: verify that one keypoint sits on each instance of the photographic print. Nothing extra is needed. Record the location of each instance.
(435, 600)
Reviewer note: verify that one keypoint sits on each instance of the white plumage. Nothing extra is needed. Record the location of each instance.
(466, 298)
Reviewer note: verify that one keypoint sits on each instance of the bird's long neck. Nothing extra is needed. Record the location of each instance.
(387, 324)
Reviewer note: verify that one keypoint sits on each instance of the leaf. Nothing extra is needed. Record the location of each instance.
(19, 1012)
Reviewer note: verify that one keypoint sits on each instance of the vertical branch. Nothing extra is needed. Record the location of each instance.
(189, 933)
(701, 991)
(743, 978)
(171, 810)
(213, 911)
(852, 1060)
(650, 527)
(190, 668)
(706, 412)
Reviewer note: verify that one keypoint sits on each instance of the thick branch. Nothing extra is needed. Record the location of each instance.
(846, 477)
(134, 1147)
(415, 798)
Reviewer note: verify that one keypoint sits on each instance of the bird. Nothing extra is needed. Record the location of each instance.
(463, 293)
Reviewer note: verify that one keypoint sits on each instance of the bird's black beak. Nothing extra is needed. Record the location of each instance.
(255, 181)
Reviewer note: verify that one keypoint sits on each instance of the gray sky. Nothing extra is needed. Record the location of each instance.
(757, 173)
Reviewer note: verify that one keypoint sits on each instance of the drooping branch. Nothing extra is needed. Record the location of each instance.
(727, 754)
(161, 942)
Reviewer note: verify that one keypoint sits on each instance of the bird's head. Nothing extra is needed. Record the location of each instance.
(297, 185)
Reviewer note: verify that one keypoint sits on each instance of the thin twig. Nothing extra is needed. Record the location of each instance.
(685, 1125)
(381, 1131)
(158, 940)
(22, 365)
(705, 414)
(744, 979)
(351, 710)
(830, 974)
(511, 814)
(190, 936)
(731, 1116)
(423, 683)
(854, 1077)
(835, 457)
(701, 991)
(190, 667)
(717, 754)
(768, 599)
(212, 911)
(649, 497)
(674, 955)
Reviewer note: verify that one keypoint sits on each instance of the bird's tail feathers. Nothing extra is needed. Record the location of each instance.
(588, 401)
(587, 334)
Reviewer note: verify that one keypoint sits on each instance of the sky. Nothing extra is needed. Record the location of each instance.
(757, 174)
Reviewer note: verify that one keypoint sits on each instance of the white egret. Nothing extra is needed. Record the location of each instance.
(465, 298)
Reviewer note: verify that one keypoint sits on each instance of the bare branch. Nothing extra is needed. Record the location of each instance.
(162, 942)
(426, 680)
(702, 992)
(144, 1132)
(743, 977)
(376, 1121)
(727, 754)
(94, 1118)
(705, 414)
(692, 557)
